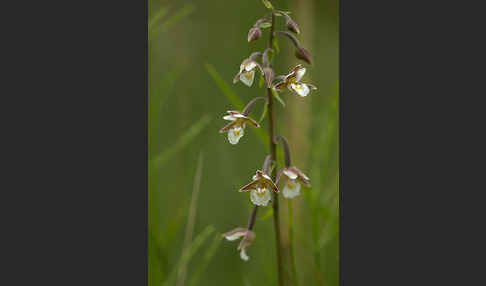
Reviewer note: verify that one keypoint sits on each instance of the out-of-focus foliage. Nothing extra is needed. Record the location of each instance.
(195, 49)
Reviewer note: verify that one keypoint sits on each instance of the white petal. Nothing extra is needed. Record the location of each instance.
(229, 117)
(243, 255)
(291, 189)
(235, 133)
(299, 74)
(248, 77)
(266, 177)
(260, 199)
(290, 174)
(300, 89)
(235, 236)
(250, 66)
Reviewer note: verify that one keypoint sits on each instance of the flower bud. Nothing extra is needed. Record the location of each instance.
(254, 33)
(269, 74)
(304, 55)
(292, 26)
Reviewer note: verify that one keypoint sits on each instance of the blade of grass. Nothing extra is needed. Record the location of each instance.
(185, 139)
(206, 259)
(174, 19)
(186, 257)
(181, 277)
(158, 16)
(234, 99)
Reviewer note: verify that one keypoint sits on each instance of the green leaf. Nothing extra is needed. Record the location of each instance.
(267, 4)
(196, 276)
(265, 109)
(275, 45)
(187, 255)
(233, 98)
(171, 21)
(275, 94)
(265, 25)
(185, 139)
(267, 214)
(262, 80)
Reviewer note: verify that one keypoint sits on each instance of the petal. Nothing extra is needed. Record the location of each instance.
(235, 233)
(229, 117)
(235, 133)
(300, 89)
(248, 77)
(252, 121)
(243, 255)
(251, 65)
(249, 186)
(260, 199)
(227, 127)
(291, 189)
(311, 86)
(290, 173)
(299, 74)
(280, 85)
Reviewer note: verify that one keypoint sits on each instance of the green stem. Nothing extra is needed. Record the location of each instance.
(291, 244)
(273, 148)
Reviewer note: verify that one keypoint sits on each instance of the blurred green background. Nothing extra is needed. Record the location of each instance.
(195, 49)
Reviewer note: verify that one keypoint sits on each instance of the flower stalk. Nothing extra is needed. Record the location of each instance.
(263, 187)
(273, 152)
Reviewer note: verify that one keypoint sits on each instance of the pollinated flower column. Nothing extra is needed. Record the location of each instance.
(263, 186)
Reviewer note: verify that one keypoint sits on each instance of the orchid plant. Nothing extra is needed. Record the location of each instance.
(263, 187)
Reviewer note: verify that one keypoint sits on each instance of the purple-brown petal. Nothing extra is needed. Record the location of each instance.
(227, 127)
(252, 121)
(280, 85)
(248, 187)
(234, 231)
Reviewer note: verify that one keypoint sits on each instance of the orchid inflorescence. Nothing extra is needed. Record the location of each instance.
(263, 185)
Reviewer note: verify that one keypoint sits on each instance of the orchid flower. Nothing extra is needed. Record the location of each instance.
(247, 70)
(293, 83)
(237, 125)
(292, 186)
(260, 188)
(248, 237)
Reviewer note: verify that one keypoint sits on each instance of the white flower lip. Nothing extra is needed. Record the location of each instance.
(300, 89)
(260, 199)
(291, 189)
(235, 133)
(248, 77)
(243, 255)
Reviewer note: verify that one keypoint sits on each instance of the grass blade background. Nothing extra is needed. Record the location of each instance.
(191, 219)
(185, 139)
